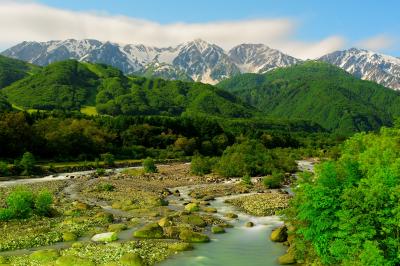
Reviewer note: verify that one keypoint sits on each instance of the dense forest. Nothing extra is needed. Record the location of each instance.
(318, 92)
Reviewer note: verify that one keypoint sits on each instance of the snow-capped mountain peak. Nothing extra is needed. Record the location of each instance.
(368, 65)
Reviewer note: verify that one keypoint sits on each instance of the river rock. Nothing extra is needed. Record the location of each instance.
(43, 256)
(165, 221)
(249, 224)
(288, 258)
(210, 209)
(180, 246)
(69, 236)
(217, 230)
(193, 237)
(150, 231)
(231, 215)
(105, 237)
(117, 227)
(192, 207)
(279, 234)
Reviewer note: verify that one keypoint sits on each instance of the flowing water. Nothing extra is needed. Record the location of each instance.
(239, 246)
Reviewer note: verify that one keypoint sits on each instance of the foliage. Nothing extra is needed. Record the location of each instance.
(348, 213)
(108, 159)
(201, 165)
(4, 171)
(274, 180)
(105, 187)
(318, 92)
(4, 104)
(43, 201)
(27, 163)
(252, 158)
(246, 180)
(12, 70)
(149, 166)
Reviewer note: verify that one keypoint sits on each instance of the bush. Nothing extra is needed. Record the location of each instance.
(4, 169)
(202, 165)
(274, 180)
(108, 159)
(100, 171)
(105, 187)
(149, 166)
(27, 163)
(43, 201)
(20, 202)
(246, 180)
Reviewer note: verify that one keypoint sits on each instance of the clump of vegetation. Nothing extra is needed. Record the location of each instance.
(105, 187)
(4, 171)
(201, 165)
(348, 213)
(27, 163)
(149, 166)
(273, 181)
(108, 159)
(22, 203)
(246, 180)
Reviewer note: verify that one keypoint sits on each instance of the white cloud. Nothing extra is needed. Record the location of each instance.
(377, 43)
(31, 21)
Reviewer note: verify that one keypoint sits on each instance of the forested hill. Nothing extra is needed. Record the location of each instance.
(12, 70)
(318, 92)
(69, 85)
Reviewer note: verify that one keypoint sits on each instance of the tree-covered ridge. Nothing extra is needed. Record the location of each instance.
(69, 85)
(318, 92)
(12, 70)
(4, 104)
(348, 213)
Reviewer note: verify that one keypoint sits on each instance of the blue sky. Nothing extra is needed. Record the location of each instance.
(372, 24)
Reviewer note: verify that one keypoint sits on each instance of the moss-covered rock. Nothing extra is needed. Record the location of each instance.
(105, 237)
(249, 224)
(193, 237)
(117, 227)
(180, 246)
(288, 258)
(230, 215)
(150, 231)
(71, 260)
(279, 234)
(165, 221)
(3, 260)
(104, 217)
(217, 230)
(80, 206)
(210, 209)
(44, 256)
(131, 259)
(69, 236)
(195, 220)
(192, 207)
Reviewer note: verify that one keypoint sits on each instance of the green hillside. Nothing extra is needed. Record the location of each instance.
(4, 104)
(70, 85)
(12, 70)
(318, 92)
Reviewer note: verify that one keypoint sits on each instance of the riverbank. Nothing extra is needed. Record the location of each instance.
(159, 206)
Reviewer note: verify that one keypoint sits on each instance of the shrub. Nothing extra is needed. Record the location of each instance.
(201, 165)
(274, 180)
(105, 187)
(100, 171)
(4, 169)
(5, 214)
(27, 163)
(20, 202)
(108, 159)
(43, 201)
(246, 180)
(149, 165)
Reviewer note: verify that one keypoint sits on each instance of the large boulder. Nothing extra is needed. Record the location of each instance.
(105, 237)
(131, 259)
(192, 207)
(117, 227)
(193, 237)
(193, 219)
(217, 230)
(279, 234)
(153, 230)
(288, 258)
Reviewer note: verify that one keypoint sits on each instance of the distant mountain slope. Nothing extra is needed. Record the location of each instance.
(4, 104)
(70, 85)
(12, 70)
(318, 92)
(198, 60)
(368, 65)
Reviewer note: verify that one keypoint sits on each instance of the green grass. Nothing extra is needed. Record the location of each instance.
(89, 110)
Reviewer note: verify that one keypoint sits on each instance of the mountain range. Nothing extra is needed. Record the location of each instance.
(201, 61)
